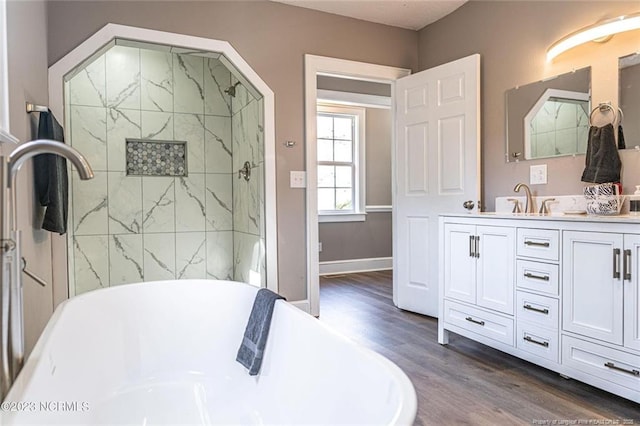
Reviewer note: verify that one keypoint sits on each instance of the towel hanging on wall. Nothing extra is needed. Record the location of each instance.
(602, 162)
(50, 176)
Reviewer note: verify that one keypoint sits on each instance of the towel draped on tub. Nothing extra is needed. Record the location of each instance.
(255, 335)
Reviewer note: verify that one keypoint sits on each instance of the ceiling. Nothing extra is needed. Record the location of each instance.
(409, 14)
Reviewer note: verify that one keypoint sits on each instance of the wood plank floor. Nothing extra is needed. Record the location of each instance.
(464, 382)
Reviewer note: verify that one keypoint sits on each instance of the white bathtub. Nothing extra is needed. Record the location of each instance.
(164, 353)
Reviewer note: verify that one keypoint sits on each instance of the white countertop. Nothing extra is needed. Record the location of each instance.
(622, 218)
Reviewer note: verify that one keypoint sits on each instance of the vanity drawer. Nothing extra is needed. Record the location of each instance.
(538, 243)
(538, 276)
(479, 321)
(537, 309)
(609, 364)
(538, 341)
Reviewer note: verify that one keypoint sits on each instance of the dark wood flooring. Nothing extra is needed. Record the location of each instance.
(464, 382)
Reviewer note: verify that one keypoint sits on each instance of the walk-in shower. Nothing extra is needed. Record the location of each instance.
(167, 131)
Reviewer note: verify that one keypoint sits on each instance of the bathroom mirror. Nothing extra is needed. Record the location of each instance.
(629, 98)
(549, 118)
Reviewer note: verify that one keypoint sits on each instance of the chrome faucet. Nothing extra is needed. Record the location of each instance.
(11, 308)
(528, 207)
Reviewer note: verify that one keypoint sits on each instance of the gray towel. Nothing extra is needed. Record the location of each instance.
(50, 176)
(255, 335)
(602, 163)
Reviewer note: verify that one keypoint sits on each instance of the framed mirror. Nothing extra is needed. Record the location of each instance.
(549, 118)
(629, 98)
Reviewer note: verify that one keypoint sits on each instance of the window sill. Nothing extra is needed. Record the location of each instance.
(342, 217)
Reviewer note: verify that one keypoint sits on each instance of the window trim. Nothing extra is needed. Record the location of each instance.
(5, 134)
(358, 214)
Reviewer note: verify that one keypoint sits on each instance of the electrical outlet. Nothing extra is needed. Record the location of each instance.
(297, 179)
(320, 247)
(538, 174)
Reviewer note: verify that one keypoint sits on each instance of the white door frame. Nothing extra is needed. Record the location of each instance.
(314, 65)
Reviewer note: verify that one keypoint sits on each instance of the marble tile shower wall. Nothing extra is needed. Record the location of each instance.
(132, 228)
(248, 197)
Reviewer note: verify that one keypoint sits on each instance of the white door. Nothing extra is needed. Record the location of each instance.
(459, 266)
(436, 168)
(592, 285)
(631, 292)
(496, 268)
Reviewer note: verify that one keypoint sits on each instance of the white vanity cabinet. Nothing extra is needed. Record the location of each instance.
(479, 264)
(562, 292)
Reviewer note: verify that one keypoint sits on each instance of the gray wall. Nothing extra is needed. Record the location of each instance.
(512, 38)
(273, 39)
(371, 238)
(27, 55)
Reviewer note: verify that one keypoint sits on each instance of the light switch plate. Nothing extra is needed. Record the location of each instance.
(297, 179)
(538, 174)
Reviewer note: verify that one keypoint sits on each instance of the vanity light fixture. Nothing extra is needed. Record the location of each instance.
(600, 31)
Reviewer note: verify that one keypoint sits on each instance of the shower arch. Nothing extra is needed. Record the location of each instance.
(109, 33)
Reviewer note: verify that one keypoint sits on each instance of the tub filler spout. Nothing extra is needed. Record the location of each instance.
(11, 309)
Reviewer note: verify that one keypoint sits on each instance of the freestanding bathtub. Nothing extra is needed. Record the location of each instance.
(164, 353)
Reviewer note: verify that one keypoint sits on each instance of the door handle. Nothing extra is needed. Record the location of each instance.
(477, 248)
(469, 205)
(616, 263)
(626, 265)
(472, 246)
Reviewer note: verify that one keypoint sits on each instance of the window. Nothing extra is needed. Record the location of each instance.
(5, 136)
(340, 163)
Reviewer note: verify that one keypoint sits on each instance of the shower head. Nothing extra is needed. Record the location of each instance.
(231, 91)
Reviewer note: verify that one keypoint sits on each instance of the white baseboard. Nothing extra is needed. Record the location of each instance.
(356, 265)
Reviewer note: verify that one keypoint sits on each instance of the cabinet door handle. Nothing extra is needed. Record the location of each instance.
(537, 277)
(477, 251)
(474, 321)
(616, 263)
(472, 246)
(529, 339)
(624, 370)
(536, 243)
(626, 264)
(531, 308)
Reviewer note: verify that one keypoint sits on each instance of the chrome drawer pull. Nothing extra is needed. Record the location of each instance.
(626, 268)
(536, 243)
(472, 241)
(624, 370)
(531, 308)
(537, 277)
(474, 321)
(529, 339)
(616, 263)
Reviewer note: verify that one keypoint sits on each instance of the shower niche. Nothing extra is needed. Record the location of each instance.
(167, 130)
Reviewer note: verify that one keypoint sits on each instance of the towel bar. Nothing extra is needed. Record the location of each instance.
(36, 108)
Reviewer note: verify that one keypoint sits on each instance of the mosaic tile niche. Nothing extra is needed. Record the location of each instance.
(130, 225)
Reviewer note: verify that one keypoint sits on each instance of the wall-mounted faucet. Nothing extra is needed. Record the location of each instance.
(11, 306)
(528, 207)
